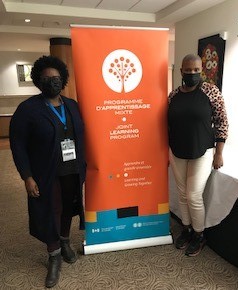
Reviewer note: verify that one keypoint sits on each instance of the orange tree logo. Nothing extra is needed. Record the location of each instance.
(122, 71)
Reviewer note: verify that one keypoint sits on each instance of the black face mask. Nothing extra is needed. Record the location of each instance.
(51, 86)
(191, 80)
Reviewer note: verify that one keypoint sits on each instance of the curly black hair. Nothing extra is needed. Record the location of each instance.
(45, 62)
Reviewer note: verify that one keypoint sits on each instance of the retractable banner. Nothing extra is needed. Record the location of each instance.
(121, 82)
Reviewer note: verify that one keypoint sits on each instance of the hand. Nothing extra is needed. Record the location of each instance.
(217, 161)
(31, 187)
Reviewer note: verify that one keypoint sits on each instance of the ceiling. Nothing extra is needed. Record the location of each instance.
(52, 18)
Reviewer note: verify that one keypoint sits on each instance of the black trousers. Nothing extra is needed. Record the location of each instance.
(65, 189)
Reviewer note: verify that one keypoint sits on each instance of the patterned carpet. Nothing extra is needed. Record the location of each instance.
(23, 258)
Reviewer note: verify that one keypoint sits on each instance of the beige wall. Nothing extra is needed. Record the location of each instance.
(8, 73)
(11, 93)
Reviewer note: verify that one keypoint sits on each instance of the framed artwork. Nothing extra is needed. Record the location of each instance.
(24, 74)
(211, 50)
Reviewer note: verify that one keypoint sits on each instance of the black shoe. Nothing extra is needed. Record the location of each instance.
(184, 238)
(53, 274)
(195, 246)
(66, 252)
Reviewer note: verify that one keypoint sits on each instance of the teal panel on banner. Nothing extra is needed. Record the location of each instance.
(110, 228)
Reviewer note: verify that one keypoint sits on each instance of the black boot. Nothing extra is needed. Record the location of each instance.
(66, 251)
(54, 267)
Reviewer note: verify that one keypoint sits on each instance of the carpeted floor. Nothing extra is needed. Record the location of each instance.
(23, 258)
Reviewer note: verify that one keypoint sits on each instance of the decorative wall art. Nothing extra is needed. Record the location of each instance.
(24, 74)
(211, 50)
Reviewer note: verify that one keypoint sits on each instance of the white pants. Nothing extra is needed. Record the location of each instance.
(191, 176)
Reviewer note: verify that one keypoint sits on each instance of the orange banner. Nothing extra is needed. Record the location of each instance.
(121, 81)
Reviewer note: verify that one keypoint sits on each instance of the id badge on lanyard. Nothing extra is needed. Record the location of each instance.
(68, 150)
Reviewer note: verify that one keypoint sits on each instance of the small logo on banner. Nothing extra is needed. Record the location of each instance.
(122, 71)
(137, 225)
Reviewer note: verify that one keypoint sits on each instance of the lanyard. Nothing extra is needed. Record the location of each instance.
(61, 116)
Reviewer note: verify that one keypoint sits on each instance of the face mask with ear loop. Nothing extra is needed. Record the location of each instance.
(191, 80)
(51, 87)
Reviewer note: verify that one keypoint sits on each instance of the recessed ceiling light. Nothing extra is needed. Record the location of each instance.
(27, 20)
(18, 49)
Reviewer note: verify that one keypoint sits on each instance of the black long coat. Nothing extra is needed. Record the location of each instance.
(35, 148)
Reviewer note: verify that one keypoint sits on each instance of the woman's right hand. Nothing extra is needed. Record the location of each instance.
(31, 187)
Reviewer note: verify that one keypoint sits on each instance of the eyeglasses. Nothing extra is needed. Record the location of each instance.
(48, 79)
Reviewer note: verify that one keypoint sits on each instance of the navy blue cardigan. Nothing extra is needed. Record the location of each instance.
(34, 144)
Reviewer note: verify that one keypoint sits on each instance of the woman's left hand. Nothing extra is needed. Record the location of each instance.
(217, 161)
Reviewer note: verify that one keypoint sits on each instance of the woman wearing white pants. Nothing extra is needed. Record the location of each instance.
(197, 132)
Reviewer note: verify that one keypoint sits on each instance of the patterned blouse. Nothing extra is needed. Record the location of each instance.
(196, 120)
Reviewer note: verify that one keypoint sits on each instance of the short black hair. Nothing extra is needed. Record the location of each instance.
(45, 62)
(191, 57)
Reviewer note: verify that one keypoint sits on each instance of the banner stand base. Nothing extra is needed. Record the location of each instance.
(126, 245)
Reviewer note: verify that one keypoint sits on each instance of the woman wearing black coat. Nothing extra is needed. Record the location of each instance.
(46, 138)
